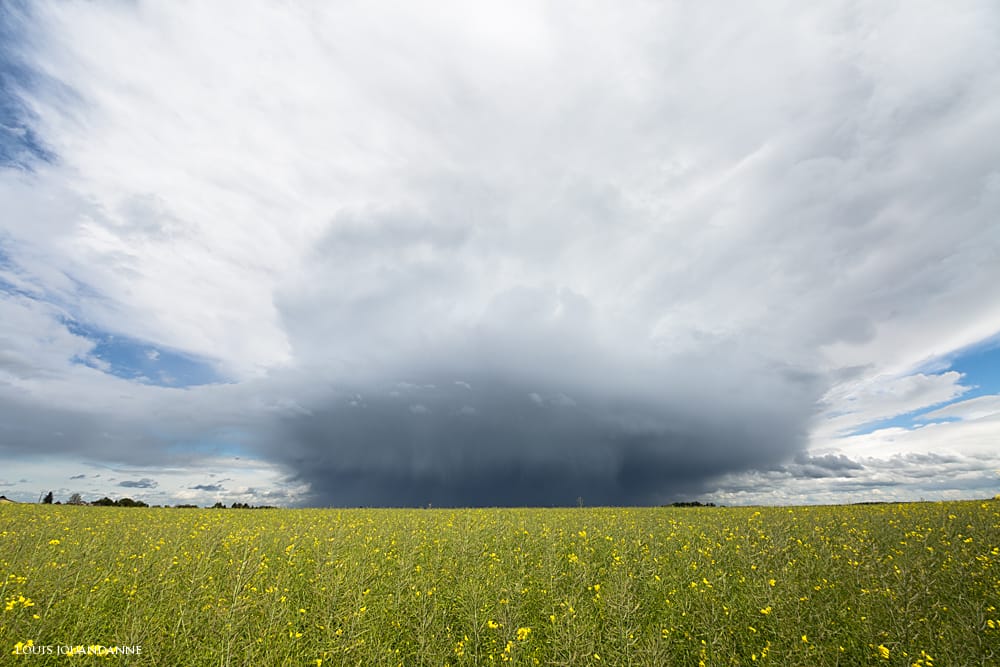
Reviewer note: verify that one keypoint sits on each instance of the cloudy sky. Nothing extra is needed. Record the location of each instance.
(532, 253)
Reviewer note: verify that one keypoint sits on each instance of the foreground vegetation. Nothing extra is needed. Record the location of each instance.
(909, 584)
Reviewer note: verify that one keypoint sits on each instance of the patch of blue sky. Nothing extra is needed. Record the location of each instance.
(142, 361)
(980, 368)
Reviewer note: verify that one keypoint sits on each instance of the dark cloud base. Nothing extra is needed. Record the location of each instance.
(515, 447)
(638, 480)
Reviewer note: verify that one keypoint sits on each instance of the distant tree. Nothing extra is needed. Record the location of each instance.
(75, 499)
(104, 502)
(218, 506)
(47, 500)
(186, 506)
(128, 502)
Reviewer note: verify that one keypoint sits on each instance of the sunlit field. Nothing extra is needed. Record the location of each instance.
(910, 584)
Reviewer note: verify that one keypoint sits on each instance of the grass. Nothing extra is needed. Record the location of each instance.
(901, 584)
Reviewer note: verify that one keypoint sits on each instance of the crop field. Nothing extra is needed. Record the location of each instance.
(901, 584)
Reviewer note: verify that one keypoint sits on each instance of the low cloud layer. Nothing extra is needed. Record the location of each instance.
(144, 483)
(515, 254)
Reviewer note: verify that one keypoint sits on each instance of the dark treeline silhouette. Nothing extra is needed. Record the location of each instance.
(124, 502)
(242, 506)
(693, 503)
(75, 499)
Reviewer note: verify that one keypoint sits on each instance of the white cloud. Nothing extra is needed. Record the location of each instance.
(47, 352)
(855, 403)
(974, 408)
(973, 438)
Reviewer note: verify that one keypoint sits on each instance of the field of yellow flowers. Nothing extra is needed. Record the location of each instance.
(901, 584)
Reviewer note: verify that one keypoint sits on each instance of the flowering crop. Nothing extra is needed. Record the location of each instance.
(906, 584)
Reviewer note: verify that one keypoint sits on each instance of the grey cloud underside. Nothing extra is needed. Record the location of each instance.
(144, 483)
(828, 465)
(510, 442)
(30, 429)
(208, 487)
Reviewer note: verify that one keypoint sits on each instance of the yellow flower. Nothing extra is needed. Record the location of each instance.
(492, 625)
(766, 610)
(772, 582)
(883, 652)
(522, 634)
(22, 645)
(805, 640)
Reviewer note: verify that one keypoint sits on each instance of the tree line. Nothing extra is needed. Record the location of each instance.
(77, 499)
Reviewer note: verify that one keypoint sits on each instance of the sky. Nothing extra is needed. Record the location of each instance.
(482, 254)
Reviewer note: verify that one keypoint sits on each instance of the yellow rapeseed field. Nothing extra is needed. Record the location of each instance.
(901, 584)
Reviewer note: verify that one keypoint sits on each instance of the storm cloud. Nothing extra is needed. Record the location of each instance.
(518, 254)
